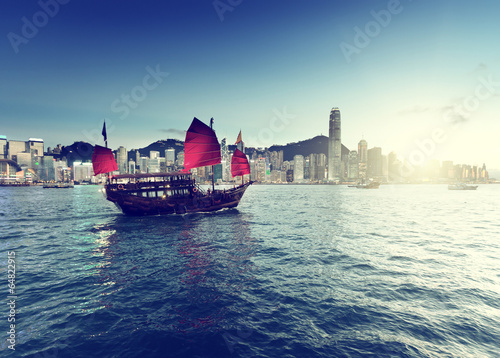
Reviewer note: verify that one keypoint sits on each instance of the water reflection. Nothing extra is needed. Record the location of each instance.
(216, 251)
(181, 270)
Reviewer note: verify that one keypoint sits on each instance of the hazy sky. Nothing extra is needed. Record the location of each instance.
(421, 78)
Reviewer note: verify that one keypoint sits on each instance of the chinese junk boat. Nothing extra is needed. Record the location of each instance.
(175, 192)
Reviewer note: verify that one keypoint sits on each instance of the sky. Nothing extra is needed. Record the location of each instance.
(420, 78)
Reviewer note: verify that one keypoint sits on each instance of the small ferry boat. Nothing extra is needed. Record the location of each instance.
(58, 185)
(14, 183)
(174, 192)
(462, 186)
(369, 185)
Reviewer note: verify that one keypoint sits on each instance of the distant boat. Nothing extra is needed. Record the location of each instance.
(370, 185)
(14, 183)
(174, 192)
(462, 186)
(58, 185)
(363, 185)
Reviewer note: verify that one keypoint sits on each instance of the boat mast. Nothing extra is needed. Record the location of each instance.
(213, 182)
(105, 135)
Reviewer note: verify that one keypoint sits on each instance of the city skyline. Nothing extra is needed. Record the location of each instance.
(361, 151)
(270, 70)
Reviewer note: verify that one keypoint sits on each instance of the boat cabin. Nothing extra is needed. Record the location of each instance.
(155, 185)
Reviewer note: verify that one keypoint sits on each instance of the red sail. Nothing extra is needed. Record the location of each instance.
(103, 160)
(239, 164)
(201, 147)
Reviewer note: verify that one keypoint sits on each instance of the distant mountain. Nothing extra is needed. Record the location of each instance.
(318, 144)
(158, 146)
(82, 151)
(76, 152)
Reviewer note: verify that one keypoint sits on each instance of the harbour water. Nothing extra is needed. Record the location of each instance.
(294, 271)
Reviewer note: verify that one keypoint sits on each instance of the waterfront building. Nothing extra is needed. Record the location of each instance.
(267, 177)
(353, 165)
(283, 176)
(60, 171)
(137, 157)
(199, 173)
(313, 167)
(363, 158)
(143, 164)
(307, 168)
(14, 147)
(82, 171)
(394, 168)
(224, 176)
(261, 169)
(275, 176)
(131, 167)
(35, 146)
(3, 147)
(374, 165)
(322, 159)
(484, 174)
(121, 160)
(344, 163)
(226, 158)
(298, 168)
(180, 159)
(154, 165)
(170, 157)
(334, 146)
(25, 153)
(24, 160)
(447, 169)
(153, 154)
(9, 170)
(218, 172)
(276, 159)
(47, 168)
(385, 169)
(253, 170)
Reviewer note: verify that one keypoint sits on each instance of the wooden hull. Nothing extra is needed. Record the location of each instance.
(134, 204)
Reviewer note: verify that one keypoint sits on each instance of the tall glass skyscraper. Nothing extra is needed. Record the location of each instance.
(363, 158)
(334, 146)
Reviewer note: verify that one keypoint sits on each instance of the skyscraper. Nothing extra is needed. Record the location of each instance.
(353, 165)
(170, 157)
(3, 146)
(334, 146)
(363, 158)
(298, 168)
(375, 164)
(121, 159)
(226, 167)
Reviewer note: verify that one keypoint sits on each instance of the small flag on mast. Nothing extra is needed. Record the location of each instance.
(104, 131)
